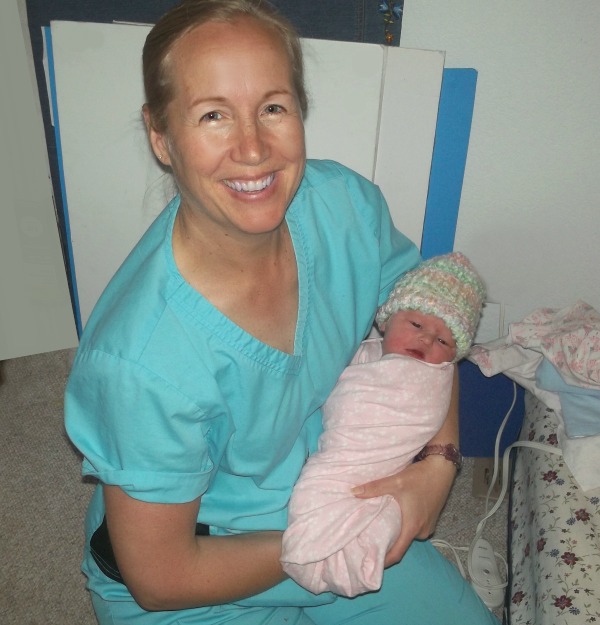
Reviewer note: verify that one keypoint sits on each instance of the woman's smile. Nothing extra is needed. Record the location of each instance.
(250, 186)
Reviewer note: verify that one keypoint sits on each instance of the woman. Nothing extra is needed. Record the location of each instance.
(196, 391)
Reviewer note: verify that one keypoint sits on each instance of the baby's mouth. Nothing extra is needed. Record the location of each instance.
(250, 186)
(415, 353)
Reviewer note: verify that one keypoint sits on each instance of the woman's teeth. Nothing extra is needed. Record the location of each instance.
(251, 185)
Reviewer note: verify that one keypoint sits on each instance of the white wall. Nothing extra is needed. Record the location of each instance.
(530, 208)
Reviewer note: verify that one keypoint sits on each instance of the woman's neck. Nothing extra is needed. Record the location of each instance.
(252, 279)
(202, 245)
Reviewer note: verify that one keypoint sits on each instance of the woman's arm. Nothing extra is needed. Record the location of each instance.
(167, 567)
(421, 489)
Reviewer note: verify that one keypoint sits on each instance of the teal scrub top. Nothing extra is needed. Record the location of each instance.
(170, 400)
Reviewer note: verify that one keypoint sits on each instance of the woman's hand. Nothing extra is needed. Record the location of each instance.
(421, 491)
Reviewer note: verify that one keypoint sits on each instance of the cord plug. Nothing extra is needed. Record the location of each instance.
(485, 576)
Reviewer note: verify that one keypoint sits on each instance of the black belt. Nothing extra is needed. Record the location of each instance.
(104, 556)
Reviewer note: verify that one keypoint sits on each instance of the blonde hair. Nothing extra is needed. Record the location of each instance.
(192, 13)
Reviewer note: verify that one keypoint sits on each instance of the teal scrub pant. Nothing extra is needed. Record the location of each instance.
(423, 588)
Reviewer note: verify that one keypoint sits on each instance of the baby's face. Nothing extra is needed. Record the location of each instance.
(414, 334)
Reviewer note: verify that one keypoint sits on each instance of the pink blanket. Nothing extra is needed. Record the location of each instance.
(379, 416)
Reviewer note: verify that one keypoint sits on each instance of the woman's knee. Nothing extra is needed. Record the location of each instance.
(423, 588)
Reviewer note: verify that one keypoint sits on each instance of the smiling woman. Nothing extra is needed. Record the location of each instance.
(226, 138)
(196, 393)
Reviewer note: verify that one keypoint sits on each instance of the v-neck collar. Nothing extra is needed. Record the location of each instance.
(203, 313)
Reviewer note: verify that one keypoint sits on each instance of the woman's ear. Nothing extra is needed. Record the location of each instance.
(157, 139)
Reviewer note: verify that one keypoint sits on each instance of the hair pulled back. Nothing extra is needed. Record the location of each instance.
(192, 13)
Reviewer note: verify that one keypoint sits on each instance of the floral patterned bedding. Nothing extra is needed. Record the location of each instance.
(554, 533)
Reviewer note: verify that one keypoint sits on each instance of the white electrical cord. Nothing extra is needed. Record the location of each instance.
(446, 545)
(481, 525)
(497, 446)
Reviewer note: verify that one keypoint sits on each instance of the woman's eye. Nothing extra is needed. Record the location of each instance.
(211, 117)
(274, 109)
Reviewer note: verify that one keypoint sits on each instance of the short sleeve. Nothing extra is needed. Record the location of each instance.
(136, 430)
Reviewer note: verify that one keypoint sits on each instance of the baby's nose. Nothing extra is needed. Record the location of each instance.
(427, 338)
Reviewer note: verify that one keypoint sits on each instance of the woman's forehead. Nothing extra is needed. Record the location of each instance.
(233, 47)
(220, 37)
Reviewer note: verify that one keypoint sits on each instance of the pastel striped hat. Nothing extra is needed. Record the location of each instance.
(446, 286)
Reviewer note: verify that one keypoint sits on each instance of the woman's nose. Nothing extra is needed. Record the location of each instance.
(250, 146)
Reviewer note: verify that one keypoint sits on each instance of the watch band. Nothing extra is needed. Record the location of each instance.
(449, 451)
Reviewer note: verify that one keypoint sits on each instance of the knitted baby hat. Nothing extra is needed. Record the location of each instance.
(446, 286)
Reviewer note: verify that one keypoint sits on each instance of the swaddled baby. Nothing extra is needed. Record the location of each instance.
(386, 406)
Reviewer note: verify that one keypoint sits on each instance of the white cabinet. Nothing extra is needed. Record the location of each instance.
(35, 307)
(372, 108)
